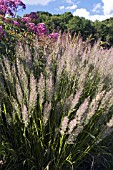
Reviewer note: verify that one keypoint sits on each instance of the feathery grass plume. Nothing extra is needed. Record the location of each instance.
(110, 123)
(107, 64)
(67, 104)
(49, 86)
(49, 62)
(72, 125)
(46, 112)
(25, 115)
(41, 89)
(20, 53)
(7, 79)
(7, 69)
(76, 98)
(79, 118)
(106, 98)
(94, 105)
(107, 130)
(33, 93)
(61, 66)
(64, 125)
(16, 109)
(1, 164)
(19, 92)
(24, 54)
(105, 109)
(81, 112)
(23, 79)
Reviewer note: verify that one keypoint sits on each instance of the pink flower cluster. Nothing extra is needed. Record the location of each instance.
(16, 23)
(10, 6)
(39, 29)
(26, 19)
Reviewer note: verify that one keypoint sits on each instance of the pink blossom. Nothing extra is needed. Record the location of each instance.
(3, 9)
(40, 29)
(25, 19)
(53, 36)
(31, 25)
(19, 3)
(16, 23)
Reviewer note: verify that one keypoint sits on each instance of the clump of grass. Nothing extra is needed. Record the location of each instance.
(56, 105)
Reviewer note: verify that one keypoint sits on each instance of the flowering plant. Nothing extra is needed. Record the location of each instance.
(24, 29)
(10, 7)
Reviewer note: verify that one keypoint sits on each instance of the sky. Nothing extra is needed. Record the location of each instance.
(90, 9)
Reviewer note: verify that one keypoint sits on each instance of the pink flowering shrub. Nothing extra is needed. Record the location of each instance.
(20, 29)
(11, 7)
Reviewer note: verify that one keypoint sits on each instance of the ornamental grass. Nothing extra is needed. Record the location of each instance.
(56, 106)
